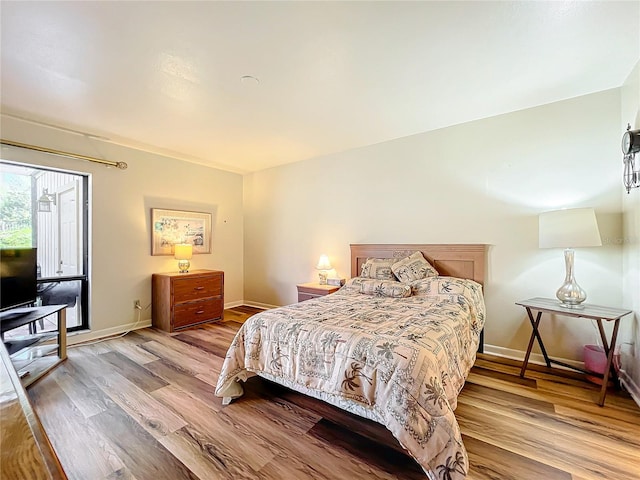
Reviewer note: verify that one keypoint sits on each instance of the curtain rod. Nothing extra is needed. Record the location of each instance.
(120, 165)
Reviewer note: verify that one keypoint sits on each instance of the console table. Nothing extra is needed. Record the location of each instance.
(592, 312)
(32, 360)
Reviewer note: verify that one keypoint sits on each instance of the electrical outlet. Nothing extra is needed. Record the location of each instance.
(137, 305)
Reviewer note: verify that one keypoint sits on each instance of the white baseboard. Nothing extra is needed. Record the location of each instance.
(536, 358)
(237, 303)
(266, 306)
(630, 386)
(88, 335)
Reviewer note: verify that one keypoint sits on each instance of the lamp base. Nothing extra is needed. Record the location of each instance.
(570, 294)
(571, 306)
(184, 265)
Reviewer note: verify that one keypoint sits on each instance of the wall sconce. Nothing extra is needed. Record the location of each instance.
(183, 253)
(576, 227)
(45, 201)
(631, 146)
(323, 266)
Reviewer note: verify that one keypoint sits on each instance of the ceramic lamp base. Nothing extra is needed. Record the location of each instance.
(183, 266)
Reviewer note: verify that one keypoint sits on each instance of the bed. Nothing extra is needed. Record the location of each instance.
(372, 348)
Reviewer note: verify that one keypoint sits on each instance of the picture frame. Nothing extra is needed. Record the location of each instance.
(169, 227)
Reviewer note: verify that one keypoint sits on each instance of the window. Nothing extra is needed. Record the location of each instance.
(48, 209)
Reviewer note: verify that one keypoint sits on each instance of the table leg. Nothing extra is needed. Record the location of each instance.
(607, 371)
(62, 334)
(603, 337)
(534, 335)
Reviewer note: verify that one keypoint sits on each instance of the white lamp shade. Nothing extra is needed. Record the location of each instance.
(572, 228)
(323, 263)
(182, 251)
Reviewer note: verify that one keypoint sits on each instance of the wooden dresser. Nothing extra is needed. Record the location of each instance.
(182, 300)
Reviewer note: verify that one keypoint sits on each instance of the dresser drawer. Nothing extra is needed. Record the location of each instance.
(307, 291)
(190, 313)
(194, 288)
(306, 296)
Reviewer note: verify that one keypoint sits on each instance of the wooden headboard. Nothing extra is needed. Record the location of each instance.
(454, 260)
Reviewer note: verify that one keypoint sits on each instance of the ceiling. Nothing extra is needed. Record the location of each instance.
(324, 77)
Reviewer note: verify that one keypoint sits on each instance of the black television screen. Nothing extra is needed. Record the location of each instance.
(18, 277)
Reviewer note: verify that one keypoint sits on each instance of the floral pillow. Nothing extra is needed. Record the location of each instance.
(379, 288)
(378, 268)
(442, 286)
(412, 268)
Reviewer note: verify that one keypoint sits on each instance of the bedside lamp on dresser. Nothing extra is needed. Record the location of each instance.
(183, 253)
(323, 266)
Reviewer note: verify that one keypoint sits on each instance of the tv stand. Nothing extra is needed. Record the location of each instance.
(31, 354)
(26, 450)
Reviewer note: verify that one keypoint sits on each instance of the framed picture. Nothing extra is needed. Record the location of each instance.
(169, 227)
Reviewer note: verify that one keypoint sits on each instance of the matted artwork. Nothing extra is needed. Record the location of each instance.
(169, 227)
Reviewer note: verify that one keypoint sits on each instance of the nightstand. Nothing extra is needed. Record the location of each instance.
(307, 291)
(591, 312)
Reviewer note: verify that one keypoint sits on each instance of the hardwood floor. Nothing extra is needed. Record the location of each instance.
(142, 407)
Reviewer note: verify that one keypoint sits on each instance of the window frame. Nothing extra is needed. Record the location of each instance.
(84, 278)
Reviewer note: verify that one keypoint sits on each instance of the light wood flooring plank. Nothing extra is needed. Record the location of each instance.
(180, 353)
(130, 347)
(182, 378)
(135, 373)
(204, 340)
(276, 414)
(142, 454)
(589, 393)
(87, 397)
(562, 452)
(512, 367)
(241, 444)
(203, 454)
(154, 417)
(586, 405)
(616, 429)
(75, 441)
(489, 462)
(560, 426)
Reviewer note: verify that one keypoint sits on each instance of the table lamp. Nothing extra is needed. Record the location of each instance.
(569, 229)
(323, 266)
(183, 253)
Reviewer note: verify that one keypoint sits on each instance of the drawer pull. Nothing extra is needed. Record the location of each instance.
(199, 288)
(199, 312)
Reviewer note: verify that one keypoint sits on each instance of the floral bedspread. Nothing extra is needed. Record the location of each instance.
(399, 361)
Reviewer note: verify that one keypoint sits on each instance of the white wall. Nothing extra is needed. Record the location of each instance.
(481, 182)
(630, 327)
(121, 261)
